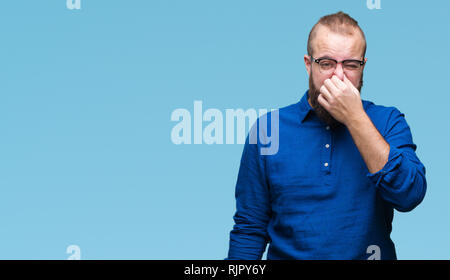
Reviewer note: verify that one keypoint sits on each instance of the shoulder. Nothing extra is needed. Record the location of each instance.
(289, 109)
(383, 117)
(290, 113)
(282, 114)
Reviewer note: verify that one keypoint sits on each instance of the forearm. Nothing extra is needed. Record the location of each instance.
(370, 143)
(401, 180)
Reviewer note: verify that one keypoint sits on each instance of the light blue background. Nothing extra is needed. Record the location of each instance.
(86, 97)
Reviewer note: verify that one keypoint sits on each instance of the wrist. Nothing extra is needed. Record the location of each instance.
(357, 120)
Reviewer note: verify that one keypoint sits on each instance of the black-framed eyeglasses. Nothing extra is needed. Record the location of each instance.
(328, 65)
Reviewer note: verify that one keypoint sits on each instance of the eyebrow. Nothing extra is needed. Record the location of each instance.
(329, 57)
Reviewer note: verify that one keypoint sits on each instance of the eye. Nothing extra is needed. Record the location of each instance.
(326, 64)
(352, 65)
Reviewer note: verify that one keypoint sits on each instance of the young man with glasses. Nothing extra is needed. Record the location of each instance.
(343, 164)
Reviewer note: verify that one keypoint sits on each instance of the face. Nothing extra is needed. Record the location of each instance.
(340, 47)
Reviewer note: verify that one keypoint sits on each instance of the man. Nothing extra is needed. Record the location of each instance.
(342, 166)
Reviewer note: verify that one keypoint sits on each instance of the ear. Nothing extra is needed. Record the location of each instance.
(307, 60)
(365, 61)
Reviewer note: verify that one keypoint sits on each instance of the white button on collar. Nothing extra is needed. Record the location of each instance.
(326, 164)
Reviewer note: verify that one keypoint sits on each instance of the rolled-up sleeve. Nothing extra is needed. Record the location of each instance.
(401, 182)
(248, 238)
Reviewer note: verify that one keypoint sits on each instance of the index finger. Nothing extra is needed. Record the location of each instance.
(338, 82)
(350, 84)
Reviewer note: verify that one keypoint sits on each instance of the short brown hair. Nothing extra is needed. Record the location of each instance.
(339, 22)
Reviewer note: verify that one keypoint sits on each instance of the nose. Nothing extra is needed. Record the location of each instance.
(339, 71)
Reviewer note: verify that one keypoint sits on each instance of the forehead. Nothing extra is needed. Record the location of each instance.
(338, 45)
